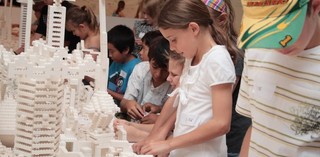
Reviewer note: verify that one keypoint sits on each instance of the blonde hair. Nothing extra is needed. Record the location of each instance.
(83, 15)
(176, 57)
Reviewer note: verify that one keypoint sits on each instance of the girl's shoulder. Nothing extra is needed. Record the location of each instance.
(93, 41)
(217, 51)
(218, 55)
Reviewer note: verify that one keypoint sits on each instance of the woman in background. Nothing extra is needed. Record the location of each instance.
(119, 11)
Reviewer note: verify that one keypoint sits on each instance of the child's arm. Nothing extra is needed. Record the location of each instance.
(245, 144)
(115, 95)
(217, 126)
(151, 118)
(132, 108)
(163, 125)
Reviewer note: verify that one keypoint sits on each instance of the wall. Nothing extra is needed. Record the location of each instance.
(130, 9)
(132, 6)
(236, 4)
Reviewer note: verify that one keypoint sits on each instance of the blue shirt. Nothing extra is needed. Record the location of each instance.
(119, 74)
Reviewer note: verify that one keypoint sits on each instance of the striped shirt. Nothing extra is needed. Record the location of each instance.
(281, 94)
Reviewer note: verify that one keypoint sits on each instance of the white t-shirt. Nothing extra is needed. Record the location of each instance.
(136, 80)
(281, 94)
(140, 87)
(195, 105)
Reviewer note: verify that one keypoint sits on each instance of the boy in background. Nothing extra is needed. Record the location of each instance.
(148, 92)
(120, 47)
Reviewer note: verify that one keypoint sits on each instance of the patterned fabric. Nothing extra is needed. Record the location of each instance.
(218, 5)
(281, 94)
(271, 23)
(140, 29)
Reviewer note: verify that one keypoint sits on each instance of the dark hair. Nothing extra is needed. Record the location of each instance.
(38, 6)
(150, 36)
(177, 14)
(83, 15)
(159, 52)
(122, 38)
(121, 5)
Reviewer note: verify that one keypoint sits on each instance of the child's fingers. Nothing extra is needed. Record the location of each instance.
(137, 147)
(145, 149)
(135, 113)
(140, 111)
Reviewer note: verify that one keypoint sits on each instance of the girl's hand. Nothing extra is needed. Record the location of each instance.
(149, 139)
(157, 148)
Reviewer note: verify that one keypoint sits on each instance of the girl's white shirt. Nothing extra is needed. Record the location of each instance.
(195, 100)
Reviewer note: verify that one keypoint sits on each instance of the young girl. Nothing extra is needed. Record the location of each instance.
(205, 95)
(137, 132)
(222, 13)
(83, 23)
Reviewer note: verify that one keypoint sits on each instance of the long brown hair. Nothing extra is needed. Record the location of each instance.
(223, 24)
(83, 15)
(177, 14)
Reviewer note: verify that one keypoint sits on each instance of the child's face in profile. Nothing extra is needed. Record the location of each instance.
(77, 30)
(175, 71)
(147, 18)
(144, 52)
(183, 41)
(159, 75)
(115, 54)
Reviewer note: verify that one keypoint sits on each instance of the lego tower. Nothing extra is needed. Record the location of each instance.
(38, 117)
(56, 25)
(23, 21)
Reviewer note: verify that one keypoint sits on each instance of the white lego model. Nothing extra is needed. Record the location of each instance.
(6, 152)
(56, 22)
(6, 26)
(7, 101)
(56, 115)
(25, 23)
